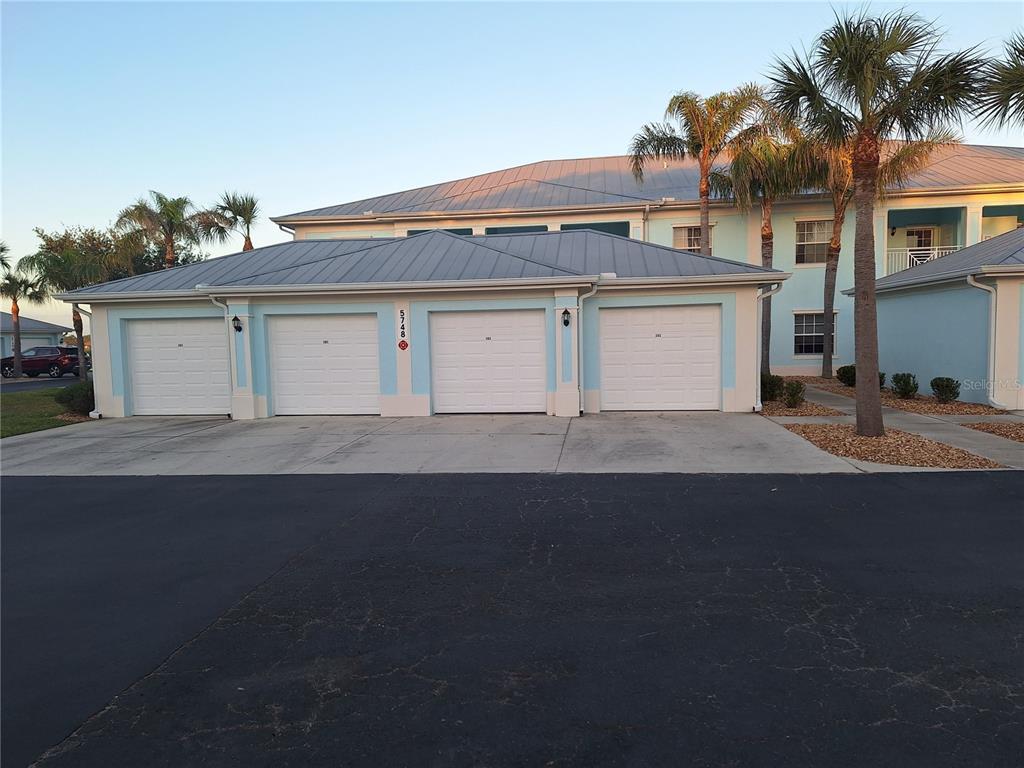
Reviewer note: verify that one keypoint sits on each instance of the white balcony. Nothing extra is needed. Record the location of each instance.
(898, 259)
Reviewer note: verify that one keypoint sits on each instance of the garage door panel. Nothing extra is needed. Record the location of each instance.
(488, 362)
(325, 364)
(660, 358)
(179, 367)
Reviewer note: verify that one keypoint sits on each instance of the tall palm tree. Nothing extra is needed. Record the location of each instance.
(66, 261)
(17, 288)
(762, 168)
(865, 81)
(164, 221)
(830, 169)
(706, 129)
(1002, 99)
(233, 213)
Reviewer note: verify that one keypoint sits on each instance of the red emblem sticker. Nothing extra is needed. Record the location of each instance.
(403, 345)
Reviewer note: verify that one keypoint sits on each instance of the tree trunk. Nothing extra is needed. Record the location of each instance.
(865, 186)
(247, 246)
(76, 321)
(169, 257)
(835, 244)
(705, 210)
(16, 322)
(767, 255)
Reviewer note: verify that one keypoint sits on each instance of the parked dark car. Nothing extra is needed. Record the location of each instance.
(53, 361)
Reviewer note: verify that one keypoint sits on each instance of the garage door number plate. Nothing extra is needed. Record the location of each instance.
(402, 343)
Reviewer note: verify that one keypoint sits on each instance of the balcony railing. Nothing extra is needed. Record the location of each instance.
(898, 259)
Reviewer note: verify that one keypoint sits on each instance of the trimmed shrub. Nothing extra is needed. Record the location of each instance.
(904, 385)
(847, 374)
(793, 394)
(946, 389)
(78, 397)
(771, 387)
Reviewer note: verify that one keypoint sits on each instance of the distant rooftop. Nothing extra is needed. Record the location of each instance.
(1006, 250)
(28, 325)
(434, 256)
(609, 182)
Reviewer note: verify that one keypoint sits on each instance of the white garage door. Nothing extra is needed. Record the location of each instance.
(488, 362)
(324, 364)
(660, 359)
(179, 367)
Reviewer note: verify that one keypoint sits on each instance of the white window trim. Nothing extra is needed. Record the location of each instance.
(711, 233)
(835, 332)
(796, 242)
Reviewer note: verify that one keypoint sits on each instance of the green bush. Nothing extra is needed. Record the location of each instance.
(771, 387)
(78, 397)
(793, 394)
(946, 389)
(847, 374)
(904, 385)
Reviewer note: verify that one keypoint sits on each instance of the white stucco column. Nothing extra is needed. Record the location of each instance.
(567, 379)
(403, 402)
(243, 402)
(1007, 387)
(972, 222)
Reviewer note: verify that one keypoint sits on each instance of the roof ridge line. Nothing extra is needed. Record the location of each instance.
(507, 253)
(384, 241)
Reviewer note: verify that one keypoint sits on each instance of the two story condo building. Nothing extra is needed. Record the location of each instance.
(965, 194)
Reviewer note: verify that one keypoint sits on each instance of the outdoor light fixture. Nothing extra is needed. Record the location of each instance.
(236, 324)
(566, 317)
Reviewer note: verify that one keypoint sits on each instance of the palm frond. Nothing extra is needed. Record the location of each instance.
(909, 157)
(1002, 97)
(655, 141)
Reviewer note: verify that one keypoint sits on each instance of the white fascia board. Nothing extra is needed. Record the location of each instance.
(753, 278)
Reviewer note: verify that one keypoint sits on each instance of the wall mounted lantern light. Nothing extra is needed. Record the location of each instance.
(236, 324)
(566, 317)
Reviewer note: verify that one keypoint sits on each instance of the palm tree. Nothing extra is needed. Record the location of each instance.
(164, 221)
(762, 168)
(17, 288)
(868, 80)
(831, 169)
(5, 263)
(66, 261)
(707, 128)
(233, 213)
(1002, 99)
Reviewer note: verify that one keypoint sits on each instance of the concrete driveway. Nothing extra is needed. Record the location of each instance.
(625, 442)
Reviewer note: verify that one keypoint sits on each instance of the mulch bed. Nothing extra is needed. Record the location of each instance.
(71, 418)
(1010, 430)
(895, 447)
(924, 404)
(807, 408)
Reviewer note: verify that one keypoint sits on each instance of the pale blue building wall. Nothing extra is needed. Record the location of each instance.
(936, 331)
(804, 291)
(28, 340)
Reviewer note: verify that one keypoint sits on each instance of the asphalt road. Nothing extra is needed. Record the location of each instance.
(514, 620)
(40, 382)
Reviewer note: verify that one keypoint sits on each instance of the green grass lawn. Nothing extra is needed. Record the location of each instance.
(22, 412)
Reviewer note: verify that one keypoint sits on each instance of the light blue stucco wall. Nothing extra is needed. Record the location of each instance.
(936, 331)
(804, 291)
(28, 340)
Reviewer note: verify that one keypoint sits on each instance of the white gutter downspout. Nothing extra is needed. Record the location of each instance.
(579, 334)
(760, 310)
(991, 341)
(227, 330)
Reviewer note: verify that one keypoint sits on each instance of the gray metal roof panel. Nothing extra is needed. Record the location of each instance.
(29, 325)
(606, 181)
(1006, 250)
(434, 256)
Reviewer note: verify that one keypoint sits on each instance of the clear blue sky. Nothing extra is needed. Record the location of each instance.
(306, 104)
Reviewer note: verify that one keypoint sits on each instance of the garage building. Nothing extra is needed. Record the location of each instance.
(556, 323)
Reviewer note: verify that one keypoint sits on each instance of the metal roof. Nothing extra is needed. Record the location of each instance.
(1006, 250)
(434, 256)
(28, 325)
(595, 182)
